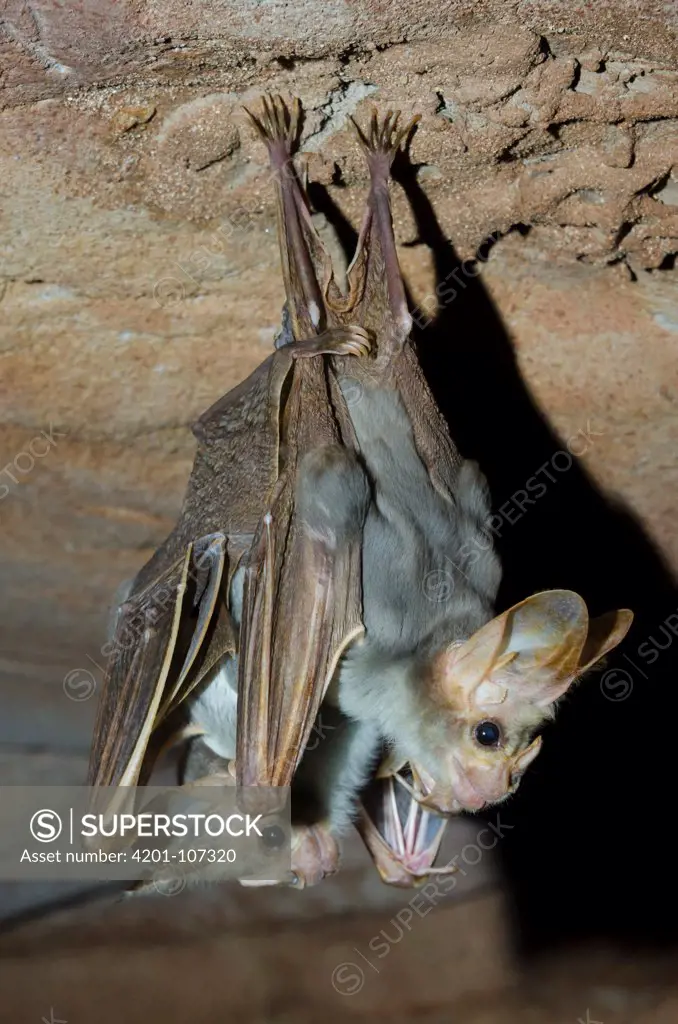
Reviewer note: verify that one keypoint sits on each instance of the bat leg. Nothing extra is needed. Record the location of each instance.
(304, 260)
(376, 286)
(336, 341)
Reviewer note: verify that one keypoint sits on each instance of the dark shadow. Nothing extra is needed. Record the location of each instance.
(587, 854)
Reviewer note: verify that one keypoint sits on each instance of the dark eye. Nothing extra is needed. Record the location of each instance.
(272, 837)
(487, 734)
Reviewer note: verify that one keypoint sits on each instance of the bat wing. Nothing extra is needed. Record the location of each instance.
(302, 599)
(402, 837)
(161, 631)
(302, 602)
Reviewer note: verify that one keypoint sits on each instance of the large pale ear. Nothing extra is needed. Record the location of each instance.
(541, 637)
(605, 633)
(543, 643)
(546, 633)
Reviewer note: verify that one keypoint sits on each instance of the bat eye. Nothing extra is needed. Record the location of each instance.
(272, 837)
(487, 734)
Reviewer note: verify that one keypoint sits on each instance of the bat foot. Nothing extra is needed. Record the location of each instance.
(383, 137)
(278, 125)
(338, 341)
(315, 855)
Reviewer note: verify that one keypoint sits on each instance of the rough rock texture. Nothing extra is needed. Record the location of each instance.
(176, 963)
(139, 281)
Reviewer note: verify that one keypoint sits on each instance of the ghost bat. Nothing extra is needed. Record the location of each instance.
(326, 503)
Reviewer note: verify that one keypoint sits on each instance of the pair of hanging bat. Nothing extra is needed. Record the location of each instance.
(298, 589)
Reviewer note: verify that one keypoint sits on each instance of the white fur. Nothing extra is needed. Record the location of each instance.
(216, 706)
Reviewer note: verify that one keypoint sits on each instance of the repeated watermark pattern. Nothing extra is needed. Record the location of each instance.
(445, 292)
(348, 977)
(168, 885)
(79, 684)
(24, 461)
(438, 584)
(318, 732)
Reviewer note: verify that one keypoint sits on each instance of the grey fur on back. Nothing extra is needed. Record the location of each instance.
(430, 574)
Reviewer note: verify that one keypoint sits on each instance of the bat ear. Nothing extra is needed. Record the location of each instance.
(604, 634)
(545, 634)
(545, 641)
(553, 642)
(471, 662)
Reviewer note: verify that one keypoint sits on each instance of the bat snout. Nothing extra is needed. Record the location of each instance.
(464, 789)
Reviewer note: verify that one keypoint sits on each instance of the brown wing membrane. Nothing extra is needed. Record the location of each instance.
(300, 612)
(301, 608)
(159, 635)
(143, 648)
(208, 567)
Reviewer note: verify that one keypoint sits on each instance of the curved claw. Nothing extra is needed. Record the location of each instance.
(353, 347)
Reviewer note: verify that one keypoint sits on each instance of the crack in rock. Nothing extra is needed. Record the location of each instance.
(341, 102)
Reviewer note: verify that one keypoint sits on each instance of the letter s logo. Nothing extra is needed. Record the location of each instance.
(46, 826)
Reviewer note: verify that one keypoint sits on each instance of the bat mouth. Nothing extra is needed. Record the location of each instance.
(458, 794)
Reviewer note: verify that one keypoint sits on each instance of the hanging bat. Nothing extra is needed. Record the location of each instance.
(295, 583)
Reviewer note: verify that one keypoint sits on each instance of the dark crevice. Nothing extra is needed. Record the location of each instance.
(544, 48)
(655, 186)
(623, 230)
(346, 55)
(576, 77)
(442, 109)
(338, 176)
(487, 245)
(615, 261)
(669, 262)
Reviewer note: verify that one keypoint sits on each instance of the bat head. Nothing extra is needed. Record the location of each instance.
(487, 697)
